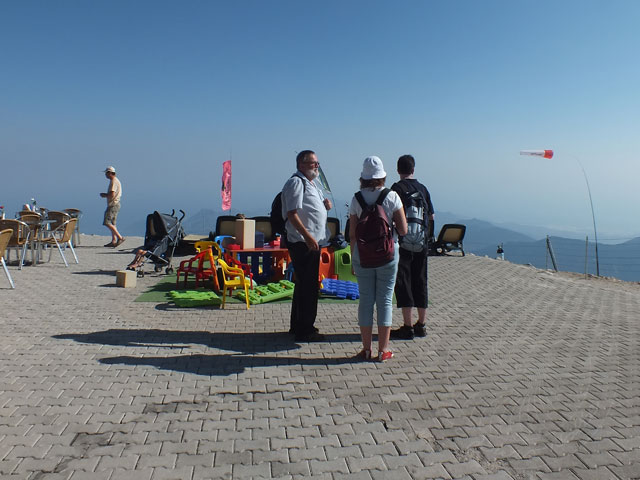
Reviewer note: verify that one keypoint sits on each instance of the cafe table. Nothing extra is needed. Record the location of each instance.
(37, 227)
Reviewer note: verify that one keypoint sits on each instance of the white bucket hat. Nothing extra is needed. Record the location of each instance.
(372, 169)
(110, 170)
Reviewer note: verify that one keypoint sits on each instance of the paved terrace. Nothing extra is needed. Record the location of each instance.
(524, 375)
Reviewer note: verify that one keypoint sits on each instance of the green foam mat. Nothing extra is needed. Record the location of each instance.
(194, 298)
(160, 292)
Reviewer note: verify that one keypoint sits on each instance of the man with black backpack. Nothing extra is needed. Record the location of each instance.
(304, 210)
(411, 284)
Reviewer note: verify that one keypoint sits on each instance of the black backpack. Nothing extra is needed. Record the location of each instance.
(277, 220)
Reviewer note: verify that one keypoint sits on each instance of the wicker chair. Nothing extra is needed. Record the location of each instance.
(61, 236)
(5, 236)
(20, 234)
(21, 213)
(58, 218)
(75, 213)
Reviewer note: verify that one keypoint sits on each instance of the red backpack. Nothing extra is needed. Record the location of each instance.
(374, 236)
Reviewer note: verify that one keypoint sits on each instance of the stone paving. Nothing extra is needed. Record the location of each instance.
(525, 374)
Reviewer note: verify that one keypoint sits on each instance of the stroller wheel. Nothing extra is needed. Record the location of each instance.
(140, 274)
(157, 268)
(169, 270)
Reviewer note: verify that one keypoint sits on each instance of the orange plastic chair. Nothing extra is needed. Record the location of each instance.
(196, 266)
(233, 277)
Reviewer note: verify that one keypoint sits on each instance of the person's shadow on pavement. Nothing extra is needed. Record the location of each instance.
(248, 348)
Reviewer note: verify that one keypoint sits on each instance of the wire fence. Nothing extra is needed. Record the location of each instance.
(620, 261)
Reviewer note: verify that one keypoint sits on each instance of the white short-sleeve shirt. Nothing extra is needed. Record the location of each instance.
(308, 200)
(116, 187)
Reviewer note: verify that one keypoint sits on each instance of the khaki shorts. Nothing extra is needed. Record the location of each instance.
(110, 214)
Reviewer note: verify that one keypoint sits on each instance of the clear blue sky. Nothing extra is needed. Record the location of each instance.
(166, 91)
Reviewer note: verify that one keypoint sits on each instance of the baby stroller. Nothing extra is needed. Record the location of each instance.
(163, 234)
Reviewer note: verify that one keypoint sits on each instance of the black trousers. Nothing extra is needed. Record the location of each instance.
(304, 307)
(411, 283)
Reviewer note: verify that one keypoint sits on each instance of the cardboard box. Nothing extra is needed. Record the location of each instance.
(126, 278)
(246, 233)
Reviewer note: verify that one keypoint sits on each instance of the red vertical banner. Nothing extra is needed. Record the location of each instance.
(226, 185)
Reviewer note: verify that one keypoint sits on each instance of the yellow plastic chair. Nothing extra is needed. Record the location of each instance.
(232, 278)
(202, 245)
(5, 236)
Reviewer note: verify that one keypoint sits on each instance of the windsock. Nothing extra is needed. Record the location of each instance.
(538, 153)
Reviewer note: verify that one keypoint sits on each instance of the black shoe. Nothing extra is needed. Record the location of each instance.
(310, 337)
(420, 330)
(293, 332)
(405, 332)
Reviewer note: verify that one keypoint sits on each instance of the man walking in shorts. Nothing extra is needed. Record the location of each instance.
(113, 195)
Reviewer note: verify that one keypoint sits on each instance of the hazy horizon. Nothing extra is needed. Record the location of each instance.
(166, 92)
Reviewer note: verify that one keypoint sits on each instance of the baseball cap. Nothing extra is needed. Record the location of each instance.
(110, 169)
(372, 169)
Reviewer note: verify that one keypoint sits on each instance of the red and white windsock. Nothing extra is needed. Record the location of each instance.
(538, 153)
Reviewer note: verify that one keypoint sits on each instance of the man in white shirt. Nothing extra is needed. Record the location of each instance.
(113, 195)
(305, 209)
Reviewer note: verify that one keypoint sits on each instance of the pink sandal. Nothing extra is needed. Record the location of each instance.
(383, 356)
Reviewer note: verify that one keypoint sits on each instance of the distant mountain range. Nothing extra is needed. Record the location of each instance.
(482, 238)
(522, 244)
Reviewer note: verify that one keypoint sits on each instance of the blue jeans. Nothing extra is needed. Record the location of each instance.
(376, 288)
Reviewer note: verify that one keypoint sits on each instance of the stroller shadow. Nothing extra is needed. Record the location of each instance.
(220, 365)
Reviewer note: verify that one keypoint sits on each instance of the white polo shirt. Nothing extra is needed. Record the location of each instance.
(308, 200)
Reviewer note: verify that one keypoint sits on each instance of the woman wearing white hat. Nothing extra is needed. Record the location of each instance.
(375, 257)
